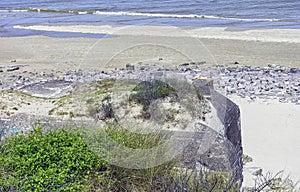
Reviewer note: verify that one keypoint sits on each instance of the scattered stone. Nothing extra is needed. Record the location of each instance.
(186, 69)
(236, 63)
(13, 68)
(200, 63)
(257, 172)
(252, 97)
(130, 67)
(294, 70)
(246, 159)
(184, 64)
(13, 61)
(157, 74)
(294, 100)
(271, 82)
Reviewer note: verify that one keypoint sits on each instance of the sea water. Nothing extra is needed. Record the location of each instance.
(199, 13)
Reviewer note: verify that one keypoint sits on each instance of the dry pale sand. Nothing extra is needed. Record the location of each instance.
(271, 131)
(270, 135)
(144, 43)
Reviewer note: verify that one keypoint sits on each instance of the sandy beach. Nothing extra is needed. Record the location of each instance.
(270, 130)
(175, 45)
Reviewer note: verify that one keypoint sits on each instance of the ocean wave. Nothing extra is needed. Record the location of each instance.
(189, 16)
(17, 10)
(159, 15)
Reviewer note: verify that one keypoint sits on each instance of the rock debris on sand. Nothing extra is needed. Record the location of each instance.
(270, 82)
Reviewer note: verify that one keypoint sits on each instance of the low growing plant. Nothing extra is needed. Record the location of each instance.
(57, 160)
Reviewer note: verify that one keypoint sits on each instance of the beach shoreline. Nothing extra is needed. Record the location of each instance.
(230, 33)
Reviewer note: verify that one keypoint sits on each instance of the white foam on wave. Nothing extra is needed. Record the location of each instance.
(161, 15)
(82, 12)
(13, 10)
(190, 16)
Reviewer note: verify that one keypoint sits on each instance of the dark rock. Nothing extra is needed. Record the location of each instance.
(236, 63)
(186, 69)
(184, 64)
(13, 68)
(200, 63)
(294, 70)
(252, 97)
(130, 67)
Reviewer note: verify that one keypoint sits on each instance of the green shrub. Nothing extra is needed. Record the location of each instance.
(57, 160)
(147, 91)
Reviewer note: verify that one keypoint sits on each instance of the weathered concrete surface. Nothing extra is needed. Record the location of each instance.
(48, 89)
(225, 151)
(22, 123)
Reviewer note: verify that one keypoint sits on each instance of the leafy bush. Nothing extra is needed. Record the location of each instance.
(57, 160)
(147, 91)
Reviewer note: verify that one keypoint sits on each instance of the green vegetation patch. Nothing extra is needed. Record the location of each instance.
(147, 91)
(52, 161)
(63, 160)
(135, 140)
